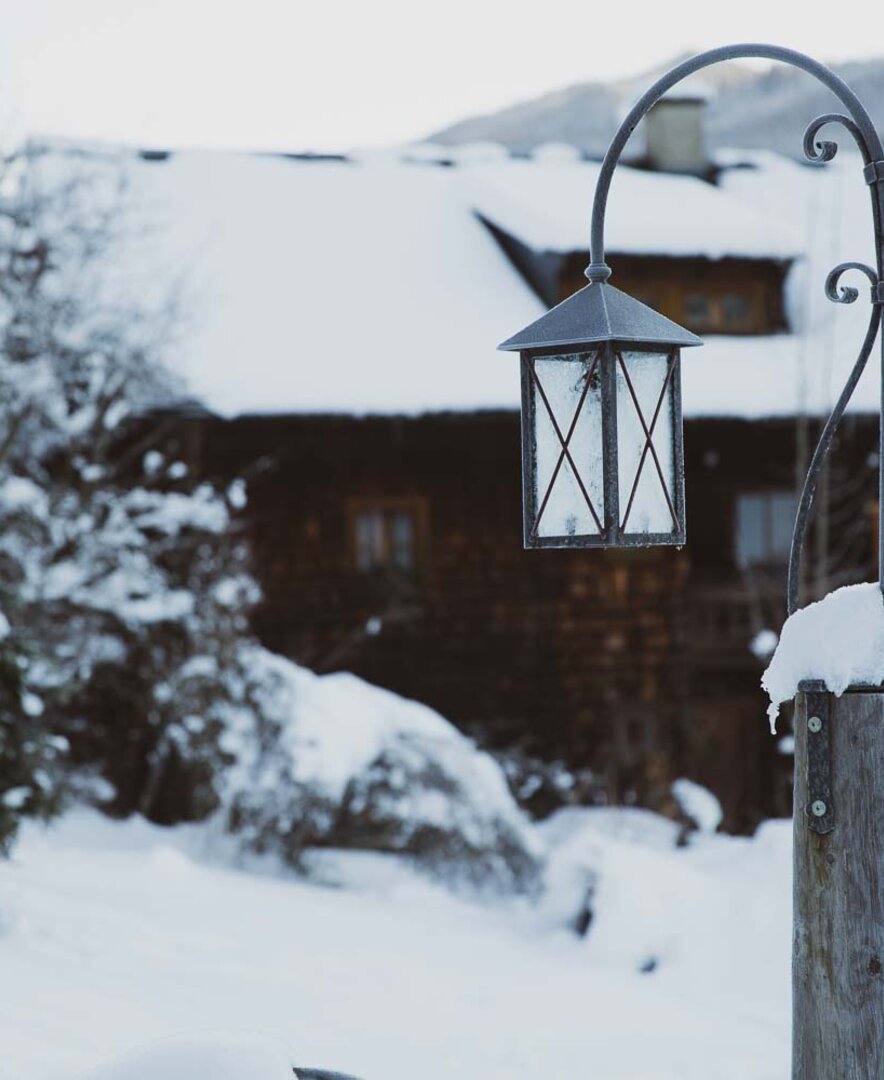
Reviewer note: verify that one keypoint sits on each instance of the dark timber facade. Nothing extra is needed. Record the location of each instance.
(392, 547)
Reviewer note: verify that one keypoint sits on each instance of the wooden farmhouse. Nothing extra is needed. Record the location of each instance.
(342, 358)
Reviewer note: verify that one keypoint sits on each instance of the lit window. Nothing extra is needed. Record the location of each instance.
(385, 535)
(764, 527)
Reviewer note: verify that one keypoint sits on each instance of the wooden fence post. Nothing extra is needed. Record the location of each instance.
(838, 935)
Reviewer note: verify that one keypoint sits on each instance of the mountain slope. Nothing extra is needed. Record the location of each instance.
(748, 109)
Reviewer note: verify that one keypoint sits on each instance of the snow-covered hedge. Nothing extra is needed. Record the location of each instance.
(345, 764)
(30, 758)
(119, 572)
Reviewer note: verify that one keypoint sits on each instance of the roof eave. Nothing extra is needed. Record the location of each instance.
(509, 346)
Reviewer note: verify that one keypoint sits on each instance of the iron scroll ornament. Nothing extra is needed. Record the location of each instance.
(859, 125)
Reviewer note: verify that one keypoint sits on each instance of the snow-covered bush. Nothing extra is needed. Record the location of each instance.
(127, 595)
(29, 755)
(346, 764)
(125, 592)
(541, 787)
(160, 594)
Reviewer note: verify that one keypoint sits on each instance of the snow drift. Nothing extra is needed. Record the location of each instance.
(117, 935)
(221, 1058)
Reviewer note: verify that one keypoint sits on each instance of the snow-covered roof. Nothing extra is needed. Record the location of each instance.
(371, 286)
(829, 208)
(546, 204)
(328, 286)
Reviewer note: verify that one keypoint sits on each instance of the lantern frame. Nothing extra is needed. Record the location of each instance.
(612, 519)
(607, 323)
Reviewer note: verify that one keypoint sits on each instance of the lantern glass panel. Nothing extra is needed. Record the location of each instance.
(568, 478)
(645, 446)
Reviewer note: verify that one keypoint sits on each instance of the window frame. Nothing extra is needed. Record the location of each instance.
(664, 282)
(771, 556)
(716, 299)
(389, 506)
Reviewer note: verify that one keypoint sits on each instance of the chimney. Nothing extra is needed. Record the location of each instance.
(675, 136)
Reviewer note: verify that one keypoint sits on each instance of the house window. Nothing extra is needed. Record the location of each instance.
(715, 312)
(386, 534)
(698, 310)
(736, 311)
(764, 527)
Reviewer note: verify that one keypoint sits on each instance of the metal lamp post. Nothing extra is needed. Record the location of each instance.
(603, 467)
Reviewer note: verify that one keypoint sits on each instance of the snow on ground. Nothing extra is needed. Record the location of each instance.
(115, 936)
(213, 1057)
(839, 640)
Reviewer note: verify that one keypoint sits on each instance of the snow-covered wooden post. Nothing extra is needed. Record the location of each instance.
(838, 932)
(838, 824)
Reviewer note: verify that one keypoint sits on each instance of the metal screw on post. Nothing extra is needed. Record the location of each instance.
(814, 725)
(818, 808)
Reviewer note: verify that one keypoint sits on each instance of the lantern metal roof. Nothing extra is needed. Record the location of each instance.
(599, 312)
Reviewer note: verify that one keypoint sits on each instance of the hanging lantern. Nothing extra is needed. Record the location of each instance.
(602, 449)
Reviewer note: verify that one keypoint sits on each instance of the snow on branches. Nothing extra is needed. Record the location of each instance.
(118, 574)
(349, 765)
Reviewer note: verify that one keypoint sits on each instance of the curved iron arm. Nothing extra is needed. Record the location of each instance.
(862, 130)
(825, 440)
(862, 127)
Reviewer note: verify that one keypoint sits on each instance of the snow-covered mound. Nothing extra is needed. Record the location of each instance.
(219, 1058)
(838, 640)
(354, 766)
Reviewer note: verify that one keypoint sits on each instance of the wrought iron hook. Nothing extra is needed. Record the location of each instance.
(826, 149)
(799, 533)
(847, 294)
(859, 122)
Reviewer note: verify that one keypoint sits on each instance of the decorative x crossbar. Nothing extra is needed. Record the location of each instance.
(565, 441)
(649, 441)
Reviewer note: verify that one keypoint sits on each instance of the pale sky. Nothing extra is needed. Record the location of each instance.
(336, 74)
